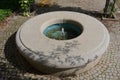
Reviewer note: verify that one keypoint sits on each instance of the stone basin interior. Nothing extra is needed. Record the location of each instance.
(63, 30)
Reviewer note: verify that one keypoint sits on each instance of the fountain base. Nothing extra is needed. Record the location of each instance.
(62, 57)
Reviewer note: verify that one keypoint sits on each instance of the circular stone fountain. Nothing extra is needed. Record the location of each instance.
(62, 42)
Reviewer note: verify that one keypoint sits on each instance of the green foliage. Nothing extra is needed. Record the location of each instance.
(4, 13)
(25, 6)
(110, 8)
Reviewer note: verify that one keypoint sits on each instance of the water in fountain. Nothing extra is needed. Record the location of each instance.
(62, 31)
(60, 35)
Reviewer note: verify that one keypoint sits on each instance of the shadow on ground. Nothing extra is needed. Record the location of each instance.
(45, 9)
(16, 59)
(11, 4)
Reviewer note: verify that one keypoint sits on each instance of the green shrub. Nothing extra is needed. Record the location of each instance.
(4, 13)
(25, 6)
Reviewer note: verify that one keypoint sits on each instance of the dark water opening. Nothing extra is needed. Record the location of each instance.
(63, 31)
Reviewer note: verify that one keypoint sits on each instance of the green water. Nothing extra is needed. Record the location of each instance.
(55, 31)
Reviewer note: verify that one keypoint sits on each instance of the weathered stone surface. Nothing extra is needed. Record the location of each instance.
(50, 56)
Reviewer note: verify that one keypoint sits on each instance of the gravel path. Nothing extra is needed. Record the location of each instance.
(90, 5)
(14, 67)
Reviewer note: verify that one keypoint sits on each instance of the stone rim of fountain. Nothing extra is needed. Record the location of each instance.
(66, 51)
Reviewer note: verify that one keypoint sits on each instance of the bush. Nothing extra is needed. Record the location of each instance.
(25, 6)
(4, 13)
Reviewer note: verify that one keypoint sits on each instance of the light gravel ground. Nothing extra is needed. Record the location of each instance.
(14, 67)
(90, 5)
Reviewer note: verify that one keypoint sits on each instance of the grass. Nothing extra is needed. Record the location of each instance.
(4, 13)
